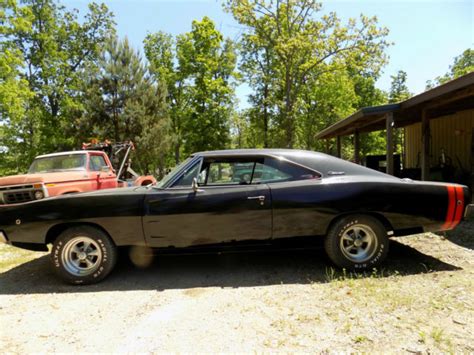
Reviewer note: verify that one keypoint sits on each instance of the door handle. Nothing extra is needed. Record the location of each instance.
(260, 198)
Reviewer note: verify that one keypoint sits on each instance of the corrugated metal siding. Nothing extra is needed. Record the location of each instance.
(452, 133)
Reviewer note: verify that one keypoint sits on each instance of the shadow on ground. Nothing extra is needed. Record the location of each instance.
(225, 270)
(463, 235)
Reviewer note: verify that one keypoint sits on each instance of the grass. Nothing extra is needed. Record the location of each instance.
(11, 257)
(360, 339)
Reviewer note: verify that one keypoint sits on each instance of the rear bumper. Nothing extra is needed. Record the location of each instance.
(469, 212)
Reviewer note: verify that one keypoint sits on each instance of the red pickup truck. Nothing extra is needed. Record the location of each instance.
(66, 173)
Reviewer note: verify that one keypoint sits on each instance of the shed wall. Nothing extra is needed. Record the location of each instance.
(452, 133)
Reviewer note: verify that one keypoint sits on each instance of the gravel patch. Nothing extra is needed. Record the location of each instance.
(419, 302)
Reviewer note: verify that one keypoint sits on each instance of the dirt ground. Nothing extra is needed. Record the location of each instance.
(420, 302)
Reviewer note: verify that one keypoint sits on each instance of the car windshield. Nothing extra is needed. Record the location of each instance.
(172, 174)
(57, 163)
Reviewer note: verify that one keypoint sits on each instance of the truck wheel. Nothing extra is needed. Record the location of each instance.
(357, 242)
(83, 255)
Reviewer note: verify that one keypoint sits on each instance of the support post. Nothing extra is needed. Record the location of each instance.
(389, 124)
(339, 147)
(425, 153)
(356, 147)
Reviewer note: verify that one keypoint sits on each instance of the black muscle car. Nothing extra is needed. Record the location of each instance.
(231, 197)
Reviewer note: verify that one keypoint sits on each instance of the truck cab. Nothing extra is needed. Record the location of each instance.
(59, 174)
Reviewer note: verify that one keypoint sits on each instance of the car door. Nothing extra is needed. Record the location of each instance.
(224, 208)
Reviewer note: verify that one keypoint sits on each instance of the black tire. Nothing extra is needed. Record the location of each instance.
(357, 242)
(83, 255)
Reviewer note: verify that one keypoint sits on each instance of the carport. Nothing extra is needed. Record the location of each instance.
(438, 119)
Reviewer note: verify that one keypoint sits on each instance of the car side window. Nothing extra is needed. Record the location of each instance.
(97, 162)
(264, 173)
(187, 177)
(273, 170)
(229, 173)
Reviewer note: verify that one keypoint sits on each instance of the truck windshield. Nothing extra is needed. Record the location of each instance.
(57, 163)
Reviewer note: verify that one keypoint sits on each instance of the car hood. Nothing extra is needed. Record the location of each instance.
(43, 178)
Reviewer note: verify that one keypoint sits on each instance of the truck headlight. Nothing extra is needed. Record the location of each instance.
(39, 195)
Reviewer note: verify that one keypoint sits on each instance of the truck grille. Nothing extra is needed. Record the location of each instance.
(18, 197)
(16, 194)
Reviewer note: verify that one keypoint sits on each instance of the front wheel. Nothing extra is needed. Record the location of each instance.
(357, 242)
(83, 255)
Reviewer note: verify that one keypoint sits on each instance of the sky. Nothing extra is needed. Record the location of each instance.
(427, 35)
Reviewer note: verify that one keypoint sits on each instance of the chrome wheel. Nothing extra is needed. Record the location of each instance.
(81, 256)
(358, 243)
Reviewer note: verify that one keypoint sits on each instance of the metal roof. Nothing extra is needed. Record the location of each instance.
(361, 120)
(453, 96)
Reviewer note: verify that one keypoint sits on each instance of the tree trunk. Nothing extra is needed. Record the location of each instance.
(176, 152)
(288, 111)
(265, 117)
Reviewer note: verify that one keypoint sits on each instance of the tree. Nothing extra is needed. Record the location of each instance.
(258, 70)
(463, 64)
(322, 104)
(14, 95)
(52, 46)
(123, 102)
(160, 50)
(399, 90)
(298, 50)
(198, 69)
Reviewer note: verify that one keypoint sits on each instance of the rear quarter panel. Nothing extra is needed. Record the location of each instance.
(308, 208)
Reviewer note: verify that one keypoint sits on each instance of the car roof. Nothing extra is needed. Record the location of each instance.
(325, 164)
(73, 152)
(246, 152)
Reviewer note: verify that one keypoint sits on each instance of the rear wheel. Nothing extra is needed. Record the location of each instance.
(83, 255)
(357, 242)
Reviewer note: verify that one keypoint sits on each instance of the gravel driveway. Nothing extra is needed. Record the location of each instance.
(422, 301)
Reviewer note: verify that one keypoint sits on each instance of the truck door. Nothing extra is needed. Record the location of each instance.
(101, 172)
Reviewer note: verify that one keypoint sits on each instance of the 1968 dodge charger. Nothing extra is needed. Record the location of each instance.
(222, 198)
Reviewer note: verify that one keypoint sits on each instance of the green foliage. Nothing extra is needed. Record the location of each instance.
(399, 90)
(463, 64)
(123, 102)
(64, 80)
(46, 48)
(198, 69)
(290, 54)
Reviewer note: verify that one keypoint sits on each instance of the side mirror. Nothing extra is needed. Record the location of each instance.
(195, 185)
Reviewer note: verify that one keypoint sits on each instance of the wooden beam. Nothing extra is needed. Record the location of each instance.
(389, 127)
(339, 146)
(425, 152)
(356, 147)
(456, 96)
